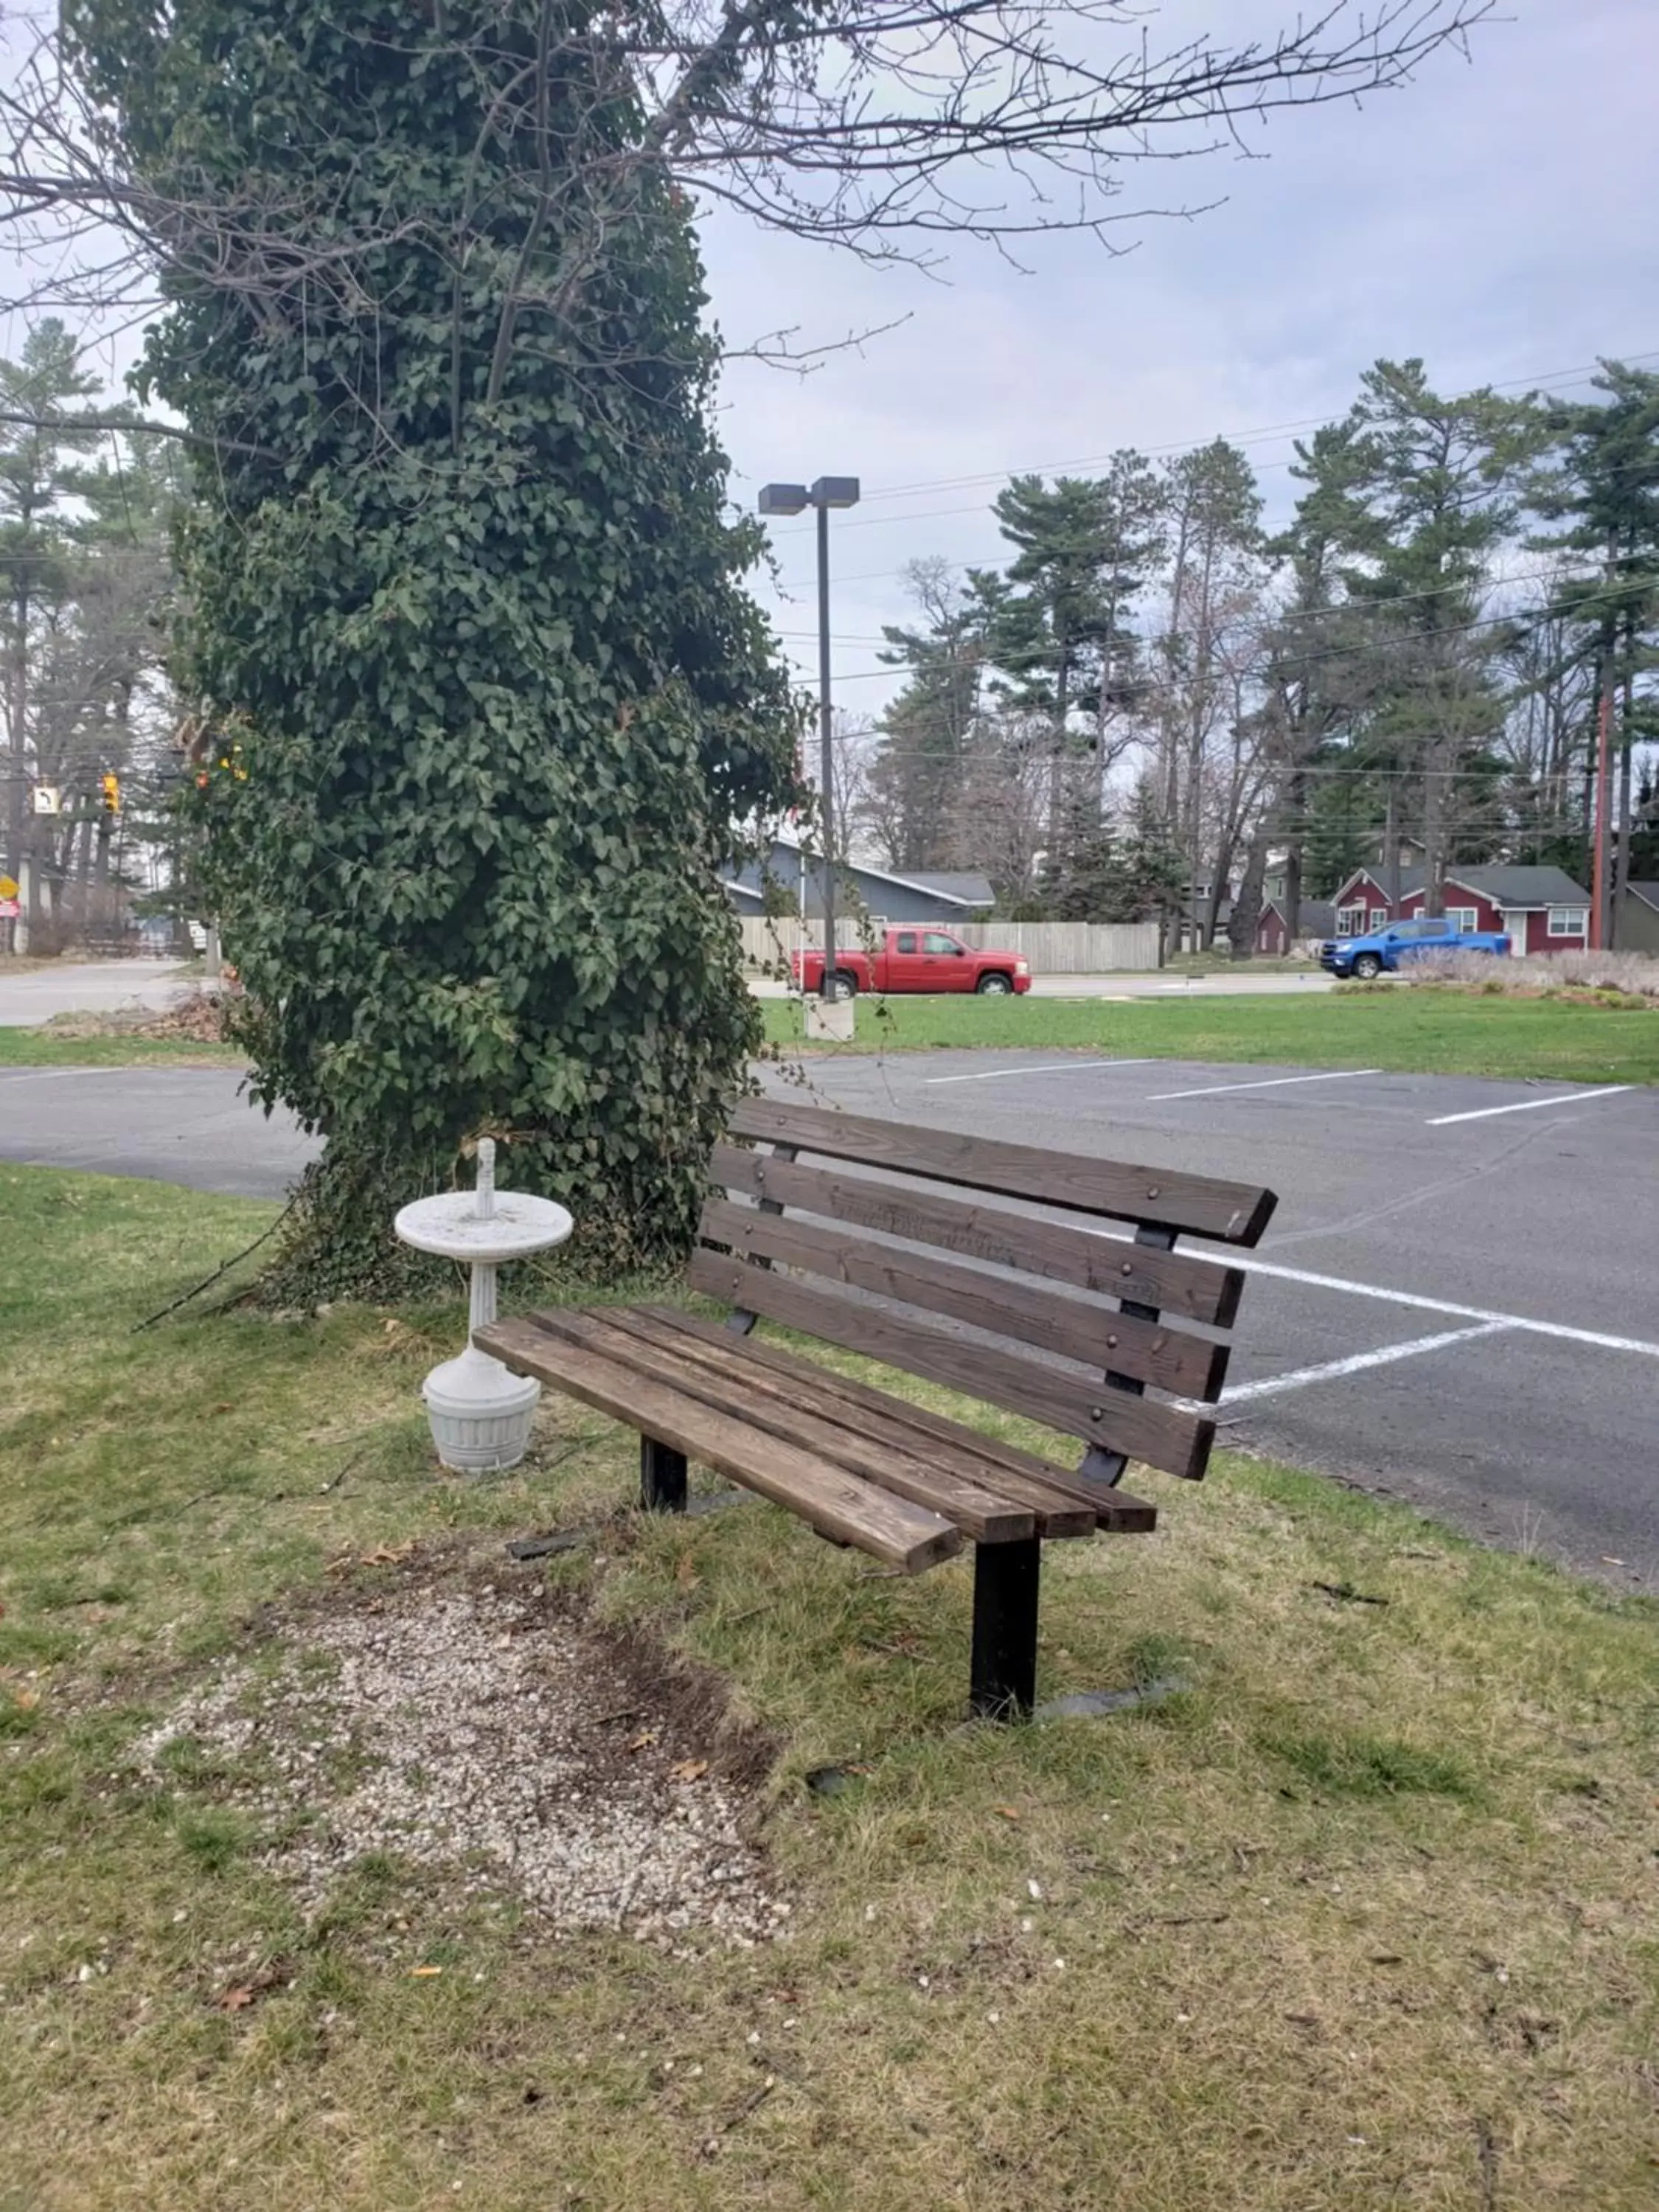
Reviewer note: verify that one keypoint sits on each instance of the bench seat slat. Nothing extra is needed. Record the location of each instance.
(1199, 1206)
(1049, 1490)
(1094, 1335)
(840, 1504)
(617, 1335)
(1178, 1283)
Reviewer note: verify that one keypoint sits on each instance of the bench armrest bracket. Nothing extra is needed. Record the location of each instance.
(739, 1321)
(1098, 1464)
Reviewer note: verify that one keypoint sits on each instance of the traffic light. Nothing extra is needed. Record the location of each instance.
(111, 784)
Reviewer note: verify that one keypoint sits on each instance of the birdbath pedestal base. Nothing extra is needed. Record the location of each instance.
(480, 1414)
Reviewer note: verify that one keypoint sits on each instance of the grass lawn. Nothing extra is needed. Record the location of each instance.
(1441, 1033)
(1433, 1032)
(45, 1048)
(1362, 1918)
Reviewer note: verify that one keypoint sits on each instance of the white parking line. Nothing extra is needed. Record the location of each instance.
(1250, 1265)
(1331, 1371)
(1060, 1068)
(1531, 1105)
(1555, 1328)
(1273, 1082)
(11, 1077)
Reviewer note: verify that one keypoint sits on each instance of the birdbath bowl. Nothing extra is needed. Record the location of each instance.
(480, 1414)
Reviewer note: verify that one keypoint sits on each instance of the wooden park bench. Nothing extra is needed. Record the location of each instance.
(853, 1259)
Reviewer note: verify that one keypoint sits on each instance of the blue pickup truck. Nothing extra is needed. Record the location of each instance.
(1390, 948)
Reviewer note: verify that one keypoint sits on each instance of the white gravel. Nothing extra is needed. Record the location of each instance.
(478, 1730)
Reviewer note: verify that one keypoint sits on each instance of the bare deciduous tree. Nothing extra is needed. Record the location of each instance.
(883, 127)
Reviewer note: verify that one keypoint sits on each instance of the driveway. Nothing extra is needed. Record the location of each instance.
(87, 987)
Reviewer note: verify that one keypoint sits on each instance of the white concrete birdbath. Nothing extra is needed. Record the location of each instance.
(480, 1414)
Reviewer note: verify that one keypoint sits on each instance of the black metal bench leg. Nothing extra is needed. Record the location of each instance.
(1003, 1685)
(662, 1477)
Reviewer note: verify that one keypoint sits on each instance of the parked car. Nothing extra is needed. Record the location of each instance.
(914, 959)
(1385, 950)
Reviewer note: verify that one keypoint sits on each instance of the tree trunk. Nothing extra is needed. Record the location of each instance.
(1434, 836)
(1220, 882)
(1293, 889)
(1391, 848)
(1621, 852)
(1057, 765)
(1246, 917)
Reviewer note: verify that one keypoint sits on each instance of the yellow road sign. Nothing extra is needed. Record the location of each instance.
(8, 887)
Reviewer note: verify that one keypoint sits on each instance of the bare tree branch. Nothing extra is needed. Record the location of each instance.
(882, 127)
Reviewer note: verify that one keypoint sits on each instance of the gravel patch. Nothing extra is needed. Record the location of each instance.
(491, 1733)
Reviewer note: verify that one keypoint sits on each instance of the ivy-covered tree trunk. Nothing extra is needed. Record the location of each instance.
(485, 698)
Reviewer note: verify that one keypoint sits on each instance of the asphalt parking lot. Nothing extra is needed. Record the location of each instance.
(1457, 1303)
(1458, 1300)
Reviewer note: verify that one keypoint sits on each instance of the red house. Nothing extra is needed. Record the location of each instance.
(1542, 909)
(1315, 918)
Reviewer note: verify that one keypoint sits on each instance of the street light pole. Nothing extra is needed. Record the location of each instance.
(829, 989)
(793, 499)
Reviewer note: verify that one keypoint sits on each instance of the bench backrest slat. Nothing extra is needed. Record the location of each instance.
(1161, 1435)
(1094, 1334)
(1198, 1206)
(852, 1252)
(1180, 1284)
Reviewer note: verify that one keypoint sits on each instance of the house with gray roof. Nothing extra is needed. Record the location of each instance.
(884, 894)
(1638, 919)
(1542, 909)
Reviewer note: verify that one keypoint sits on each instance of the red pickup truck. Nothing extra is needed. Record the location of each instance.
(915, 960)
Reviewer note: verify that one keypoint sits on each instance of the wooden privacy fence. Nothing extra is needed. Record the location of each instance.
(1053, 948)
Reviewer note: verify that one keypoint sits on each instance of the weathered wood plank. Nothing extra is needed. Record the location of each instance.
(841, 1504)
(1180, 1283)
(1200, 1205)
(1160, 1435)
(1018, 1474)
(978, 1512)
(1061, 1507)
(1094, 1336)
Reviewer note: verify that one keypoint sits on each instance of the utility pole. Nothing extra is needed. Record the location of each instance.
(1600, 888)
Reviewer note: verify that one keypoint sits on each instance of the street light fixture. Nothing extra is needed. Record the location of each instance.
(792, 499)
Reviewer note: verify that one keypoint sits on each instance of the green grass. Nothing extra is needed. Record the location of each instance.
(43, 1048)
(1360, 1919)
(1431, 1032)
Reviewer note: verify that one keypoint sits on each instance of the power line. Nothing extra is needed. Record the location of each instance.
(1299, 661)
(1556, 378)
(1351, 606)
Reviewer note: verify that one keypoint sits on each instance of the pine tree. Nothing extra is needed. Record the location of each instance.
(1151, 867)
(41, 469)
(927, 731)
(1217, 544)
(1433, 493)
(1059, 621)
(1606, 487)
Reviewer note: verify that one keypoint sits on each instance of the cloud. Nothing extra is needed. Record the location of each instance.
(1490, 217)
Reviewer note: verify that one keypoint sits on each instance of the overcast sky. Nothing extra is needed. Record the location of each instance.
(1494, 216)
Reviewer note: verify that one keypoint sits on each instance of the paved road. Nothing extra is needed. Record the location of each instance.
(186, 1125)
(1460, 1312)
(106, 985)
(35, 994)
